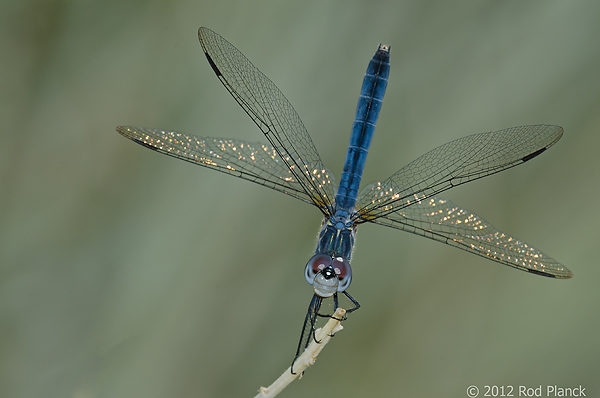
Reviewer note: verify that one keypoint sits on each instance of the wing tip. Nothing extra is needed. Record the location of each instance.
(563, 274)
(533, 155)
(212, 64)
(124, 131)
(202, 36)
(554, 131)
(202, 31)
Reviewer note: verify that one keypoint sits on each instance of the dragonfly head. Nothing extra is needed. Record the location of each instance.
(327, 274)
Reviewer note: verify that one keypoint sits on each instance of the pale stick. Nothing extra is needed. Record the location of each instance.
(308, 357)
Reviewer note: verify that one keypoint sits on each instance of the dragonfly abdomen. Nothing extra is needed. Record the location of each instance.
(367, 112)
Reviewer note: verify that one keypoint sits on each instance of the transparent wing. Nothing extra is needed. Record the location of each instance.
(455, 163)
(250, 161)
(441, 220)
(273, 114)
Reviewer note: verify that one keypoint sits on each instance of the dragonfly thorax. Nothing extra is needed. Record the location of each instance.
(336, 237)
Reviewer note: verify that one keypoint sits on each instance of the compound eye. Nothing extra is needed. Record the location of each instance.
(343, 271)
(316, 264)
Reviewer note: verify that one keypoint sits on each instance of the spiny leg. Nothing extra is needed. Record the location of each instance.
(308, 327)
(353, 300)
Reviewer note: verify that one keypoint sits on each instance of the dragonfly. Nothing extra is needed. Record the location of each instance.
(408, 200)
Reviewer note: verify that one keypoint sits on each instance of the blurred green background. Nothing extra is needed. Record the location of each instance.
(129, 274)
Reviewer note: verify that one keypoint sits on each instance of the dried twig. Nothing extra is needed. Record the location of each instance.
(308, 357)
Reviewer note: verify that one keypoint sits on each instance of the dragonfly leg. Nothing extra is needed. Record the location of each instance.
(356, 305)
(335, 307)
(310, 320)
(308, 328)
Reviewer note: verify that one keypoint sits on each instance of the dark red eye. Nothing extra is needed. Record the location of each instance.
(343, 271)
(315, 265)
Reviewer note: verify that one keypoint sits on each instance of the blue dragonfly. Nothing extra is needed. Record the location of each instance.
(408, 200)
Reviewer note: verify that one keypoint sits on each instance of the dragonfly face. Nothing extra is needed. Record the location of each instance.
(328, 271)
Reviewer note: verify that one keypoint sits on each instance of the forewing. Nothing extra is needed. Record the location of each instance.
(273, 114)
(441, 220)
(254, 162)
(455, 163)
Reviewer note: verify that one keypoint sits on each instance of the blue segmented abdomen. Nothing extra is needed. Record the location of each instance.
(367, 111)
